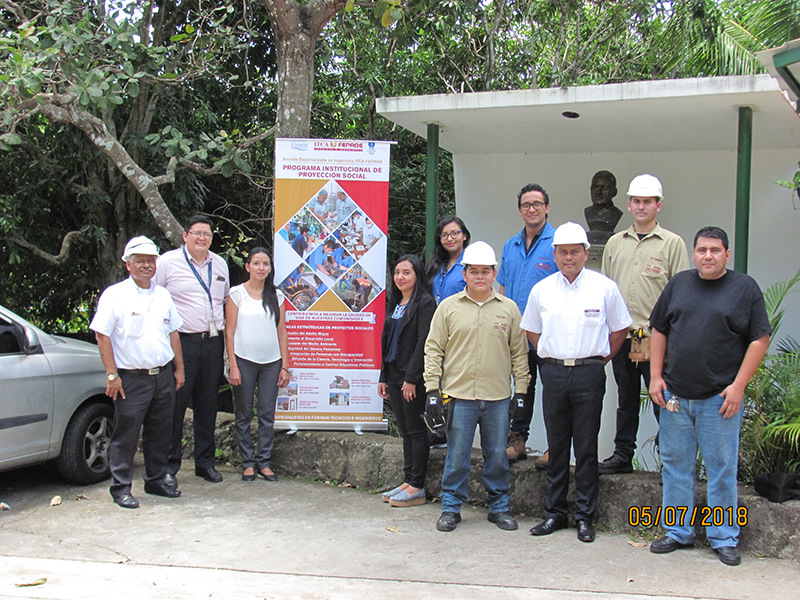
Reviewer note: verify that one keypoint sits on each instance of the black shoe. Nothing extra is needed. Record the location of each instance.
(548, 526)
(666, 544)
(208, 473)
(729, 555)
(126, 501)
(448, 521)
(251, 477)
(171, 481)
(504, 520)
(161, 490)
(614, 464)
(585, 530)
(263, 475)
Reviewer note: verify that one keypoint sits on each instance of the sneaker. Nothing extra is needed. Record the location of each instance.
(438, 441)
(448, 521)
(541, 462)
(614, 464)
(516, 447)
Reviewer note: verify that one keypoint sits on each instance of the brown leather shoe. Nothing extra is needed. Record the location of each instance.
(541, 462)
(516, 447)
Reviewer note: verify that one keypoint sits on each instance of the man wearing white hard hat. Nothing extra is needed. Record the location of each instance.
(474, 346)
(577, 320)
(136, 326)
(641, 260)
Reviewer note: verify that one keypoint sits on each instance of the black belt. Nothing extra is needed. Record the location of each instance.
(574, 362)
(201, 335)
(153, 371)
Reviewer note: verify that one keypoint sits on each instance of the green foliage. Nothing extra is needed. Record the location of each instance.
(770, 439)
(793, 185)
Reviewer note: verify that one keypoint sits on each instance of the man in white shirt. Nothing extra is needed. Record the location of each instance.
(577, 320)
(137, 334)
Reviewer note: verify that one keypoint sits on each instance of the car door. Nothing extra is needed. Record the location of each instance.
(26, 399)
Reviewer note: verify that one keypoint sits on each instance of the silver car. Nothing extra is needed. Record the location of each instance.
(52, 402)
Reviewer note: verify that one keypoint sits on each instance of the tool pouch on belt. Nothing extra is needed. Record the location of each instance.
(640, 349)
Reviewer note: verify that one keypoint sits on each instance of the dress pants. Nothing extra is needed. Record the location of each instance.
(149, 401)
(523, 424)
(265, 377)
(408, 415)
(572, 399)
(203, 364)
(629, 375)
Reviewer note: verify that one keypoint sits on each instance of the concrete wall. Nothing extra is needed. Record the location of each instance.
(699, 190)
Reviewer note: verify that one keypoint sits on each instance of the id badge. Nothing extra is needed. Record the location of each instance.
(212, 329)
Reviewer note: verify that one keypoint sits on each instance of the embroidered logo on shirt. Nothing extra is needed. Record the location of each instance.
(654, 269)
(592, 313)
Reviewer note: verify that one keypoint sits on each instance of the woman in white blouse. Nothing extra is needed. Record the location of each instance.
(258, 351)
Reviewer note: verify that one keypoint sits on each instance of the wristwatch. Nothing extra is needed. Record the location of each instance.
(112, 376)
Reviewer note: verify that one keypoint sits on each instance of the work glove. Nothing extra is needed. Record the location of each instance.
(434, 410)
(517, 407)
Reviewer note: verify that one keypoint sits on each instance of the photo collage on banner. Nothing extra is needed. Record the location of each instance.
(331, 217)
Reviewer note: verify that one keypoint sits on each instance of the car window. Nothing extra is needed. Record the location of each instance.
(9, 344)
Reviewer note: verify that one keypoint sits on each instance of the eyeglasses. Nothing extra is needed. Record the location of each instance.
(526, 206)
(201, 234)
(452, 235)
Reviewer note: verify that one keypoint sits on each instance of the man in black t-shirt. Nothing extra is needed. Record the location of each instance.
(713, 327)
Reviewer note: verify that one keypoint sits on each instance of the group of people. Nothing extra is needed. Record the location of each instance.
(474, 354)
(162, 334)
(459, 355)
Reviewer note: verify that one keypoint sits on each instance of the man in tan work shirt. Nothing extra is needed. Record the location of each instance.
(641, 260)
(474, 346)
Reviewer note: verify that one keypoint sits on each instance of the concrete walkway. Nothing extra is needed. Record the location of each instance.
(299, 539)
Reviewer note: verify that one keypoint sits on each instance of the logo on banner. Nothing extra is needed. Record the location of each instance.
(371, 148)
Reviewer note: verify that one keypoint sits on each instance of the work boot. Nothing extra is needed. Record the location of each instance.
(541, 462)
(516, 447)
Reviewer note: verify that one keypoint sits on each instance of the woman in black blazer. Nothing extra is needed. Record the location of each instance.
(411, 307)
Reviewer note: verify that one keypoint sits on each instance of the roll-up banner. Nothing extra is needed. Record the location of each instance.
(331, 215)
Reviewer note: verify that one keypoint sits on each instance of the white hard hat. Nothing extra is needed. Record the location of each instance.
(571, 233)
(139, 245)
(646, 186)
(479, 253)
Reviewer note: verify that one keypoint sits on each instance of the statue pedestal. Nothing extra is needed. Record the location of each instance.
(595, 260)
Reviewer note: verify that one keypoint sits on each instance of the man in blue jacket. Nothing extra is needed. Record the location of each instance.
(527, 259)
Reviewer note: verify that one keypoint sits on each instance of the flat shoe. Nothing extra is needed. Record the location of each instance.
(504, 520)
(272, 477)
(585, 531)
(251, 477)
(729, 555)
(548, 526)
(406, 499)
(126, 501)
(666, 544)
(161, 490)
(209, 474)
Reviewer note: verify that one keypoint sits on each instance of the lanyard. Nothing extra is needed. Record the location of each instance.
(207, 288)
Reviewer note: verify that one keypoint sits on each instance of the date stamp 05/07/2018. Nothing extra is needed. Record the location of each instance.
(706, 516)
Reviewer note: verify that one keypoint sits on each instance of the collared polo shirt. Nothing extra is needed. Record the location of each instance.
(521, 269)
(474, 349)
(173, 272)
(138, 321)
(643, 267)
(575, 319)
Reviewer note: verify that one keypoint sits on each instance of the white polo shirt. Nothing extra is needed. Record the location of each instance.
(139, 322)
(575, 319)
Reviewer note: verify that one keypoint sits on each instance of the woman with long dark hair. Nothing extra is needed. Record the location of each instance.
(444, 267)
(258, 351)
(411, 308)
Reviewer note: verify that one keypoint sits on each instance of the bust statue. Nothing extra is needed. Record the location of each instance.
(602, 216)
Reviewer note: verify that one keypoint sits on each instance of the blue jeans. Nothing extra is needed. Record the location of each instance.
(698, 424)
(464, 416)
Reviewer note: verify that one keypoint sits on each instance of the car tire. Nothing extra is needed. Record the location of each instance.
(84, 450)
